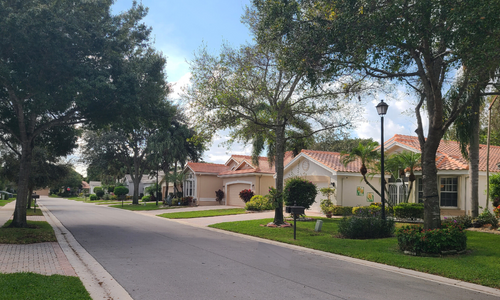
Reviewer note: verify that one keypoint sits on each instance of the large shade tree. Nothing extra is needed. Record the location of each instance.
(59, 62)
(424, 44)
(245, 91)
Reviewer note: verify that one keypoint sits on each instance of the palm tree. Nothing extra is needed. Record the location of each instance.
(410, 161)
(367, 155)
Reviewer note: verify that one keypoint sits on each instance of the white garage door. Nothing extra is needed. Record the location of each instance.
(233, 194)
(315, 206)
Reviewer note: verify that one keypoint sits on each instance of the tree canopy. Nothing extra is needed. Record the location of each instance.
(61, 63)
(245, 90)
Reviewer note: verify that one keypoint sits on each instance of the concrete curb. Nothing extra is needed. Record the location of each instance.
(407, 272)
(98, 282)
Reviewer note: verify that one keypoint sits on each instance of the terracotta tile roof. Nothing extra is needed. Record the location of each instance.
(263, 166)
(85, 185)
(207, 168)
(448, 155)
(333, 160)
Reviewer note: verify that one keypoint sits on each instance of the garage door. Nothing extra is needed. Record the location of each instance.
(233, 194)
(315, 206)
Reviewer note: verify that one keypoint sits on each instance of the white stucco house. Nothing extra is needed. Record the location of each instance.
(326, 169)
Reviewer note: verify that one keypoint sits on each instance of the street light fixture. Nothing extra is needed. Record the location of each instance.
(382, 110)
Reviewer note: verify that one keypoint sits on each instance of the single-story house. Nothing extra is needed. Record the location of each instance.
(326, 169)
(202, 180)
(146, 181)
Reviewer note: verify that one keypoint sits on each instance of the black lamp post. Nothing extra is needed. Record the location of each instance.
(382, 110)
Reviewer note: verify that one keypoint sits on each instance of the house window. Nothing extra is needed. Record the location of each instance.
(420, 191)
(189, 186)
(449, 191)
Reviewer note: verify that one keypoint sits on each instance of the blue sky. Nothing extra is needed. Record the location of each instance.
(181, 27)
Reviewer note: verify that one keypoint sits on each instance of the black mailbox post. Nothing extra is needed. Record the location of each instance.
(295, 210)
(35, 196)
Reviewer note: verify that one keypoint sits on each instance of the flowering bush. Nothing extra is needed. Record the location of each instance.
(246, 195)
(417, 240)
(497, 211)
(259, 203)
(299, 191)
(365, 227)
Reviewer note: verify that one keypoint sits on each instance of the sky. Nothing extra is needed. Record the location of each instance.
(179, 28)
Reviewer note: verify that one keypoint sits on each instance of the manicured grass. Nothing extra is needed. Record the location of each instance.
(4, 202)
(479, 265)
(37, 232)
(39, 287)
(204, 213)
(38, 212)
(148, 206)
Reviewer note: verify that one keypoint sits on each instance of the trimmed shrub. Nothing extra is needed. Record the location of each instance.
(259, 203)
(246, 195)
(93, 197)
(114, 197)
(409, 210)
(146, 199)
(417, 240)
(300, 192)
(98, 191)
(326, 206)
(120, 191)
(111, 189)
(463, 221)
(366, 211)
(365, 228)
(106, 197)
(342, 210)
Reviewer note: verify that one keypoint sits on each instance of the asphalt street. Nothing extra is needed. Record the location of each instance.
(155, 258)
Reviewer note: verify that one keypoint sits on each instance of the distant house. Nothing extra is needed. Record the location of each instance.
(202, 180)
(326, 169)
(146, 181)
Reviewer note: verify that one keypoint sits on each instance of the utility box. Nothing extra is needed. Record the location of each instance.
(319, 224)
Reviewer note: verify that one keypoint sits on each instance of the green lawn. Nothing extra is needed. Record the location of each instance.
(4, 202)
(36, 232)
(148, 206)
(480, 265)
(38, 287)
(204, 213)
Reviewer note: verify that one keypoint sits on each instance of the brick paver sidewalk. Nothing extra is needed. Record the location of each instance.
(41, 258)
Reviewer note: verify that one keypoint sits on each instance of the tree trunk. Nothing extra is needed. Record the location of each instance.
(279, 168)
(29, 199)
(22, 187)
(432, 213)
(474, 161)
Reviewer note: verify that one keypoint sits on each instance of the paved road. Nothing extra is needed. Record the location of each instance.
(155, 258)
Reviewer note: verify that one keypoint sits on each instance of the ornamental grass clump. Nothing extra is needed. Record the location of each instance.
(417, 241)
(365, 228)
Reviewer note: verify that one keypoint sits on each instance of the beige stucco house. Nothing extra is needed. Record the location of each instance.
(238, 173)
(326, 169)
